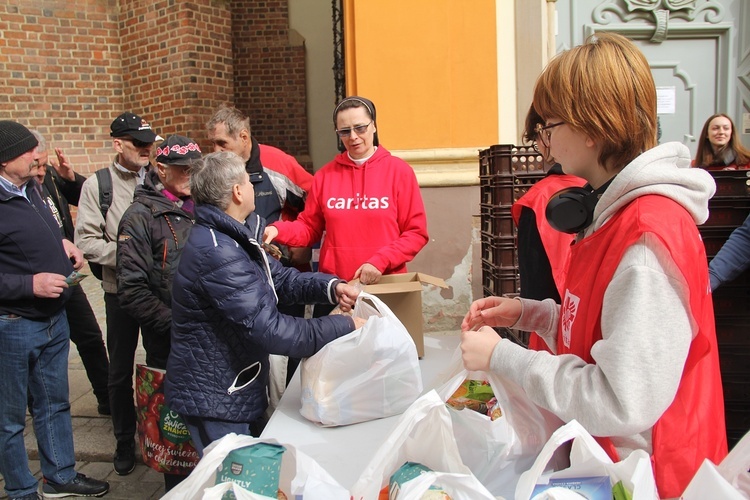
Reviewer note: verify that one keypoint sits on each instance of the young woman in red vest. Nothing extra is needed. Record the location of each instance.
(635, 358)
(542, 251)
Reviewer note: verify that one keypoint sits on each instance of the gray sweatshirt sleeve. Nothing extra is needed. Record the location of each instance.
(647, 329)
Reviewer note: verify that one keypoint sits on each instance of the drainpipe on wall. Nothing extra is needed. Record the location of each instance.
(551, 28)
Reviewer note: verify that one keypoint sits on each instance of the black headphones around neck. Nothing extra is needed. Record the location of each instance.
(571, 210)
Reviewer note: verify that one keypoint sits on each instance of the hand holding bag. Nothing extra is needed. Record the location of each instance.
(371, 373)
(497, 451)
(588, 459)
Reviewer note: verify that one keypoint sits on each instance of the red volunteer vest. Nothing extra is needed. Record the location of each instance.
(693, 426)
(556, 244)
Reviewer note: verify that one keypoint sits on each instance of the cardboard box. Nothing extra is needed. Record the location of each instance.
(402, 293)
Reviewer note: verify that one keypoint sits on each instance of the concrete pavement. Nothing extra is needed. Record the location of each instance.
(92, 433)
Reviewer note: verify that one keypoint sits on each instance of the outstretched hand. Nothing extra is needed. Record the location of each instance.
(269, 234)
(492, 311)
(63, 166)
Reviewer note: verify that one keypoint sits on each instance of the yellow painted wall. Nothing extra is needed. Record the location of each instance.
(430, 67)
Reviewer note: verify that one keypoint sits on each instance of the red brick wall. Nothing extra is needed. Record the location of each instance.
(269, 74)
(176, 63)
(60, 73)
(68, 68)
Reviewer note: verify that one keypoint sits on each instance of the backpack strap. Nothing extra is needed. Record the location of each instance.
(104, 178)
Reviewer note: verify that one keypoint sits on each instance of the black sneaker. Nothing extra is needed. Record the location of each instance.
(124, 459)
(80, 486)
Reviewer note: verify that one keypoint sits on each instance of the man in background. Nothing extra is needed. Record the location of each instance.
(96, 235)
(61, 186)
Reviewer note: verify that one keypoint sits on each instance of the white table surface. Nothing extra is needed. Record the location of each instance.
(345, 451)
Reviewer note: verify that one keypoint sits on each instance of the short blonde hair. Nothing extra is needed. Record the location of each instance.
(604, 89)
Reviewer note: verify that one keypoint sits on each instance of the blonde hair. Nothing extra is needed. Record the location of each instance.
(604, 89)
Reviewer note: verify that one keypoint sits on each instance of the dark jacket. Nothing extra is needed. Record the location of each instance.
(152, 233)
(733, 258)
(30, 243)
(225, 321)
(60, 193)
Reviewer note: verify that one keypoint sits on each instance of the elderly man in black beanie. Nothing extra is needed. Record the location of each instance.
(34, 336)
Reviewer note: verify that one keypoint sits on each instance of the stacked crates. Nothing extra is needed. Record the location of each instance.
(506, 172)
(727, 210)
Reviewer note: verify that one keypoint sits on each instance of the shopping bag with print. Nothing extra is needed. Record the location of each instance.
(424, 436)
(634, 475)
(729, 480)
(163, 437)
(253, 469)
(498, 429)
(371, 373)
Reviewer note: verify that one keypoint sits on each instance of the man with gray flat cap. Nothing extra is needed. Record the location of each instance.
(104, 199)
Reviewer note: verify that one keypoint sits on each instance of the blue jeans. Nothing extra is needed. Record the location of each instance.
(34, 358)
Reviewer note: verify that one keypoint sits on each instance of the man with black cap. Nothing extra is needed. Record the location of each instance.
(34, 336)
(152, 234)
(96, 235)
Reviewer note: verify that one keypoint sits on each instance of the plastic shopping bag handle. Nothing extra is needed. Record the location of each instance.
(571, 430)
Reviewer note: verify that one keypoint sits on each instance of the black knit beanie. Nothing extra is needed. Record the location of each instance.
(15, 140)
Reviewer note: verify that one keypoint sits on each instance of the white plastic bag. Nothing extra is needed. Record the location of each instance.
(498, 451)
(730, 480)
(371, 373)
(300, 475)
(588, 459)
(456, 486)
(424, 435)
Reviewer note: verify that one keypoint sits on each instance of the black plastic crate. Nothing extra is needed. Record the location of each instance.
(499, 281)
(731, 300)
(734, 361)
(737, 417)
(736, 390)
(727, 212)
(507, 159)
(714, 238)
(731, 183)
(497, 190)
(733, 330)
(497, 220)
(499, 251)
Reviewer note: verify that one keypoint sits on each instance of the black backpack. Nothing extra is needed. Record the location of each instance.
(104, 177)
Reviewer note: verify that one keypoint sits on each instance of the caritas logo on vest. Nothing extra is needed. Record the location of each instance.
(363, 202)
(569, 311)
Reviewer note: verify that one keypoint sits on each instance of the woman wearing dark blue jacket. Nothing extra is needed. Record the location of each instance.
(225, 320)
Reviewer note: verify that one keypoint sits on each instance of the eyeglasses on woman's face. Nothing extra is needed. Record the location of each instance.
(544, 132)
(345, 133)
